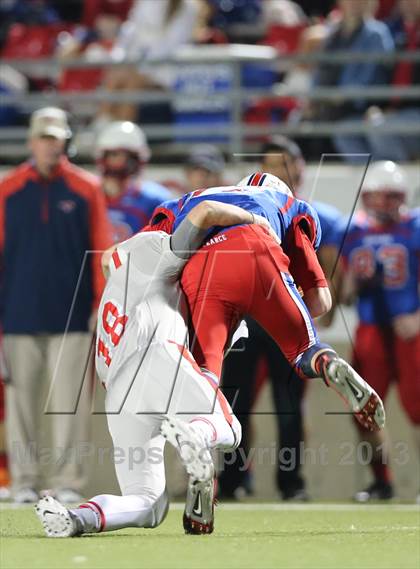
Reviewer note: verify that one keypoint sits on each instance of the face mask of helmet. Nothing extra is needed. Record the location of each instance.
(384, 191)
(120, 164)
(385, 206)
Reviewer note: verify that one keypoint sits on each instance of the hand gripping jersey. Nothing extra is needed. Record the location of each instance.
(279, 206)
(386, 262)
(141, 300)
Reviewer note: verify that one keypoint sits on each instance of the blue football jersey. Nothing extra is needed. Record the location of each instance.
(131, 211)
(386, 259)
(278, 207)
(331, 220)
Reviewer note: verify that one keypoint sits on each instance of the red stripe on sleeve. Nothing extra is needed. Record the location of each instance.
(116, 259)
(287, 205)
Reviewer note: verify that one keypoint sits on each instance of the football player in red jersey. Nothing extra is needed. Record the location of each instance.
(381, 255)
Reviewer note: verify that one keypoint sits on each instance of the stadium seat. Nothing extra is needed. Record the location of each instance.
(283, 38)
(31, 42)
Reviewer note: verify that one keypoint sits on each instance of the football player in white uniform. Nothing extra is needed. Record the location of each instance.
(154, 389)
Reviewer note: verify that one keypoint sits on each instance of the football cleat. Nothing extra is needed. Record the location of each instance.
(56, 519)
(191, 446)
(364, 402)
(378, 490)
(199, 507)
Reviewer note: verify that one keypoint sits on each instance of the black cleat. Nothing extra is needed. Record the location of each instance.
(378, 490)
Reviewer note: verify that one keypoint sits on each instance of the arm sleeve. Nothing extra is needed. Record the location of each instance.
(100, 239)
(187, 238)
(304, 264)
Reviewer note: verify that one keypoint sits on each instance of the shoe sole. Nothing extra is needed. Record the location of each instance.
(199, 522)
(364, 402)
(55, 518)
(194, 454)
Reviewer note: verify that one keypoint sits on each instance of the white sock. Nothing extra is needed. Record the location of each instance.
(216, 431)
(106, 512)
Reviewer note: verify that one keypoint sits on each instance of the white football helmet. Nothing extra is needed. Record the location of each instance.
(264, 180)
(123, 135)
(385, 176)
(384, 191)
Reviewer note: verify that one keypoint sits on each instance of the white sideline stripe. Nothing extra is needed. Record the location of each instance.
(275, 507)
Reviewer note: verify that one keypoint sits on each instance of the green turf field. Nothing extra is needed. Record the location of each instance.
(255, 535)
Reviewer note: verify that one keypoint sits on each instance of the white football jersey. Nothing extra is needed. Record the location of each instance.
(142, 301)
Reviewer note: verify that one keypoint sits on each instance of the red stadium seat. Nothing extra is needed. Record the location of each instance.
(84, 79)
(80, 79)
(31, 42)
(284, 38)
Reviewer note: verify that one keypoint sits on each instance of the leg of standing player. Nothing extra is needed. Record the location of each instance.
(239, 372)
(408, 364)
(374, 359)
(288, 391)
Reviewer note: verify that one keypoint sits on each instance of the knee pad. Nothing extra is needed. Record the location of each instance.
(307, 363)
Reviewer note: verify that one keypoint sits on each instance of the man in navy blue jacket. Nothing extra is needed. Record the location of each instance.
(51, 215)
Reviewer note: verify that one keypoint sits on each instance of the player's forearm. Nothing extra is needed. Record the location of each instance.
(191, 233)
(210, 213)
(318, 301)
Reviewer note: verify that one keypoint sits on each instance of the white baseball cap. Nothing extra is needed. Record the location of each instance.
(49, 121)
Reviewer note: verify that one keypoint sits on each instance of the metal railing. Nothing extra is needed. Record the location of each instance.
(234, 132)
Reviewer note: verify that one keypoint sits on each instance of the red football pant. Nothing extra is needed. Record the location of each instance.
(380, 356)
(244, 272)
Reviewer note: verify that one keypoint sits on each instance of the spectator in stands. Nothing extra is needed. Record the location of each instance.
(283, 13)
(12, 83)
(94, 8)
(30, 12)
(121, 153)
(240, 21)
(242, 377)
(51, 214)
(99, 37)
(153, 31)
(356, 31)
(405, 29)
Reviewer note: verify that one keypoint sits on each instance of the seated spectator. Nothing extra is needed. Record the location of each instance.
(12, 82)
(90, 44)
(30, 12)
(405, 29)
(357, 32)
(153, 31)
(228, 12)
(94, 8)
(283, 13)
